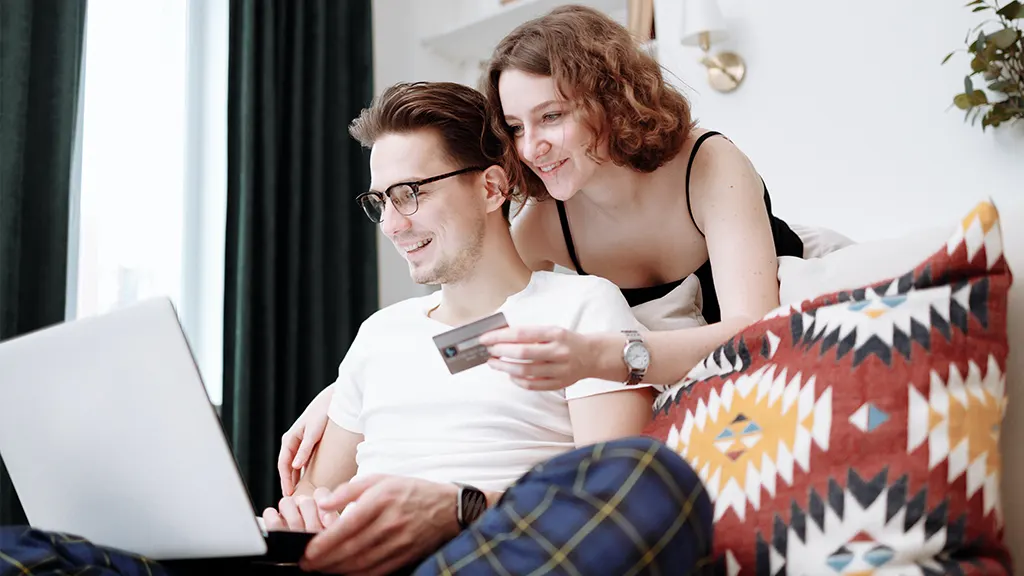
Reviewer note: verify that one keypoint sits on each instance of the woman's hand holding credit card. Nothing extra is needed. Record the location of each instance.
(461, 348)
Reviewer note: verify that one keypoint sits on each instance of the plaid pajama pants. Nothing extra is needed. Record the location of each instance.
(618, 508)
(28, 552)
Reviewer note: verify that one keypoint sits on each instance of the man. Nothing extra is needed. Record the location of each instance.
(476, 468)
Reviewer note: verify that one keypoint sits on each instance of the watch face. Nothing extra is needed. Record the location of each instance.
(637, 356)
(474, 504)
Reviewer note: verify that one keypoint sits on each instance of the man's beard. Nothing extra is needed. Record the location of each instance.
(456, 267)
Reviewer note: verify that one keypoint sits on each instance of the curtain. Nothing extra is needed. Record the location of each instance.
(300, 257)
(40, 66)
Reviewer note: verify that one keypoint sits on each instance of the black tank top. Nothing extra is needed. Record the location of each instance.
(787, 243)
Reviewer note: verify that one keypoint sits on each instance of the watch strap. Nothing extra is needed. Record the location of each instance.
(470, 504)
(635, 375)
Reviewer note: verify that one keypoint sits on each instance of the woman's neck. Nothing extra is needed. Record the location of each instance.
(617, 189)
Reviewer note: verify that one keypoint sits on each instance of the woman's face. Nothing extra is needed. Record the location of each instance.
(548, 134)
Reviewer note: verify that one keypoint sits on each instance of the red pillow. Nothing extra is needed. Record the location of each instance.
(859, 431)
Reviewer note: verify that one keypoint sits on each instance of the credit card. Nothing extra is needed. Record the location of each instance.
(461, 349)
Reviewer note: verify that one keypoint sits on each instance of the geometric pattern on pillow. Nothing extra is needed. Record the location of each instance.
(858, 432)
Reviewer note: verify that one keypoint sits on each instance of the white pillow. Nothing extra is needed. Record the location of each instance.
(820, 241)
(856, 265)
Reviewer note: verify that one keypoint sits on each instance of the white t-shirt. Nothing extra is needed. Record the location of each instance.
(477, 427)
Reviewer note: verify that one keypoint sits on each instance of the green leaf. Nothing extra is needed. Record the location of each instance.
(1004, 86)
(978, 98)
(1012, 10)
(962, 101)
(968, 85)
(1004, 38)
(973, 2)
(978, 64)
(991, 51)
(979, 44)
(948, 56)
(979, 8)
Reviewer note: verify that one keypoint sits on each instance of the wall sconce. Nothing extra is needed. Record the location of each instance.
(704, 25)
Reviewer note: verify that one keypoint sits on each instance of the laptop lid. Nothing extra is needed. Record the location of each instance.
(108, 433)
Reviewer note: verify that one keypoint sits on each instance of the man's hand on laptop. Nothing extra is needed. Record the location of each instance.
(298, 514)
(393, 521)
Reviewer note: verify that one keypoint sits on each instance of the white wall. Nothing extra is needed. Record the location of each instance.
(845, 109)
(399, 58)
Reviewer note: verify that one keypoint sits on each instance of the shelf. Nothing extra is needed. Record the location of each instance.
(473, 42)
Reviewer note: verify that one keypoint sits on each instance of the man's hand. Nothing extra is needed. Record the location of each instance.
(298, 514)
(391, 521)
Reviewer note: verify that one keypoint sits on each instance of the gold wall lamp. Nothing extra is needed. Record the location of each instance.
(704, 25)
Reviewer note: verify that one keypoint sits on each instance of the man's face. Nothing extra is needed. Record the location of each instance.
(443, 239)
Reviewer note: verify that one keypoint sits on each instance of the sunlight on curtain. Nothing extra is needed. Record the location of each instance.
(150, 196)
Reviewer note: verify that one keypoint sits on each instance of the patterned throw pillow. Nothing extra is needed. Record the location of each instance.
(858, 433)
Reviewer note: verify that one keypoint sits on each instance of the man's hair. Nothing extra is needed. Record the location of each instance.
(617, 87)
(457, 113)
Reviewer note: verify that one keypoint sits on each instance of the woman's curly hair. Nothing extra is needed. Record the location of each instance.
(617, 87)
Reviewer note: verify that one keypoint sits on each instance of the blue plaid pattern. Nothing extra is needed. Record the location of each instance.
(619, 508)
(623, 507)
(29, 552)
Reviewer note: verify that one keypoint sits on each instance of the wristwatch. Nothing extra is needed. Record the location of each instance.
(471, 503)
(637, 357)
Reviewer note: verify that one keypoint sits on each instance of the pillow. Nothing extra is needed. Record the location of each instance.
(852, 266)
(676, 310)
(819, 241)
(859, 430)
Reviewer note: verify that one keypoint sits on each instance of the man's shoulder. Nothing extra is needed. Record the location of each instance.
(402, 312)
(584, 303)
(579, 287)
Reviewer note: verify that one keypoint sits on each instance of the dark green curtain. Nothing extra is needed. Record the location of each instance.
(40, 67)
(301, 260)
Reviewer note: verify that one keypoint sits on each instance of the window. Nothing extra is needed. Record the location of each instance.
(153, 152)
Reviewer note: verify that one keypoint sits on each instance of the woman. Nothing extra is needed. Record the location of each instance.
(623, 184)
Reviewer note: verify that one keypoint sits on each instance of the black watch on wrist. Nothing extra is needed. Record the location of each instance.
(470, 504)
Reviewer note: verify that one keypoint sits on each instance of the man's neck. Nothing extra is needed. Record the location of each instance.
(498, 274)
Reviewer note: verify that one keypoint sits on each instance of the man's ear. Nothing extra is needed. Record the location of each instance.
(496, 187)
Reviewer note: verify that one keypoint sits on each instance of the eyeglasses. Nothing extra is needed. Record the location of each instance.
(404, 196)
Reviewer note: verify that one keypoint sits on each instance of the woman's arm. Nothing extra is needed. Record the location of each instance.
(727, 197)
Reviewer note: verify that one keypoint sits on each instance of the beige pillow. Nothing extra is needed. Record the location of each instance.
(676, 310)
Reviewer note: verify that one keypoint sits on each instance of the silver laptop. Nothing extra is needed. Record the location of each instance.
(108, 433)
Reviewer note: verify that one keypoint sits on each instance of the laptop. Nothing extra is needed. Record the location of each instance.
(107, 433)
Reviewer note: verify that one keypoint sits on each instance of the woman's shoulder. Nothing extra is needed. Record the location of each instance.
(709, 151)
(716, 163)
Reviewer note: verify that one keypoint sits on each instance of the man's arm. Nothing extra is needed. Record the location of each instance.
(333, 462)
(610, 415)
(602, 410)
